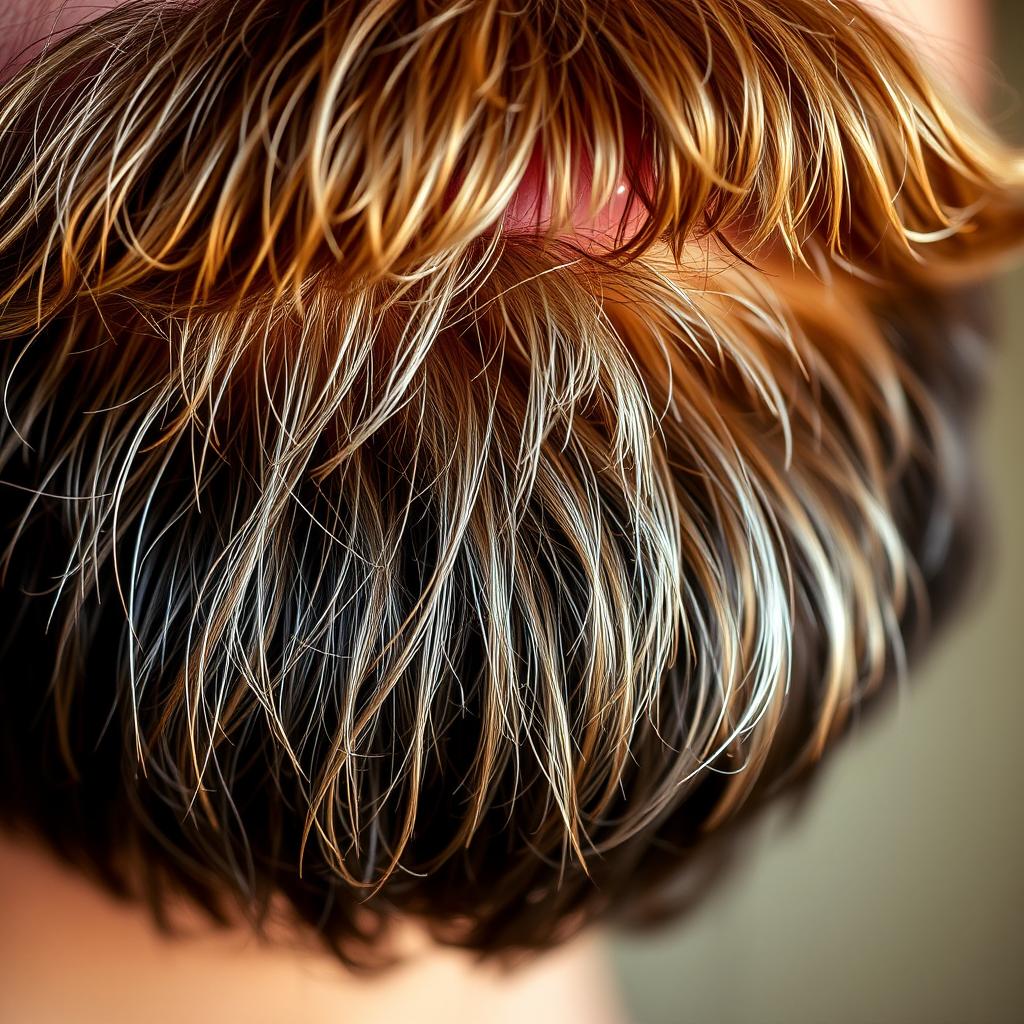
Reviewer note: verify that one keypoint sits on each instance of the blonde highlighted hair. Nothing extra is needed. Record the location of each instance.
(393, 560)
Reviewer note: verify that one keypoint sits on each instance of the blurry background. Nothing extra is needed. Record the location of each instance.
(898, 896)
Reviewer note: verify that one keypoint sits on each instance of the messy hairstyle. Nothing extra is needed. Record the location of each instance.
(373, 551)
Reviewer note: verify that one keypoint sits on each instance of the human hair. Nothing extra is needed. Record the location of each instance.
(368, 551)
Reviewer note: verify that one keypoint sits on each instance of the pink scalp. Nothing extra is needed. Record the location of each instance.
(620, 218)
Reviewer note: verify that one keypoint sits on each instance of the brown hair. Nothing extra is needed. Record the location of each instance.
(363, 552)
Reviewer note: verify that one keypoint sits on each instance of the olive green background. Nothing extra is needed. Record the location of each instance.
(898, 896)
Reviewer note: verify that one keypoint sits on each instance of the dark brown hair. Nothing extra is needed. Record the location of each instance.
(364, 552)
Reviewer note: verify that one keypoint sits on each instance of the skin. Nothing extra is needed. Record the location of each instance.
(115, 967)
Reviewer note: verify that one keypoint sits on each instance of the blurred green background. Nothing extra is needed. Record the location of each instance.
(898, 896)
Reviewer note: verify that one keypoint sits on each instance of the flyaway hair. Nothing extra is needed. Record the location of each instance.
(366, 549)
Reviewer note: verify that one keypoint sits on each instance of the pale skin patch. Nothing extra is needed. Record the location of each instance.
(953, 35)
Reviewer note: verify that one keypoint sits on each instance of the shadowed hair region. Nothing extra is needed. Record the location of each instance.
(460, 459)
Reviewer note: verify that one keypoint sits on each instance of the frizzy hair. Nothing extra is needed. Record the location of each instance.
(369, 553)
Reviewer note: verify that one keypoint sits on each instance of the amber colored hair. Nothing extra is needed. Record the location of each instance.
(362, 552)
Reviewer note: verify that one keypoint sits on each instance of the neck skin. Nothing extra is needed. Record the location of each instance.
(70, 952)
